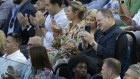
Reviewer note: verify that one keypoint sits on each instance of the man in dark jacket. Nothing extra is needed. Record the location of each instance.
(102, 44)
(13, 25)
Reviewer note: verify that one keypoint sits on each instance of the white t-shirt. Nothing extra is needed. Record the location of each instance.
(61, 19)
(16, 60)
(16, 56)
(137, 18)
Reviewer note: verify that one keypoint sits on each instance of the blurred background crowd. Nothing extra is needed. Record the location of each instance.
(69, 39)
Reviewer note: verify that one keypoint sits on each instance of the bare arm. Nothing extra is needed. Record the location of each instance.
(123, 9)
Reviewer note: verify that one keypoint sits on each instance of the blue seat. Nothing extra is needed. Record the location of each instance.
(24, 51)
(127, 58)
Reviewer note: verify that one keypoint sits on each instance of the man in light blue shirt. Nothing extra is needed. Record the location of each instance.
(96, 4)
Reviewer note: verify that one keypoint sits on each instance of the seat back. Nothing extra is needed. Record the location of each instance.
(137, 35)
(62, 70)
(128, 57)
(24, 51)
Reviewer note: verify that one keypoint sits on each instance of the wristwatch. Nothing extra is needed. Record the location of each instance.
(27, 26)
(134, 28)
(92, 44)
(122, 1)
(42, 26)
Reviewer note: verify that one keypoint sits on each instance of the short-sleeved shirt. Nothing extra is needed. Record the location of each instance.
(134, 7)
(137, 18)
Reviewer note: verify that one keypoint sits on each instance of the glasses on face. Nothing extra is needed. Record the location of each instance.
(31, 45)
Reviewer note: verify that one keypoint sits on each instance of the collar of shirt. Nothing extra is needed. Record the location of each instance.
(18, 6)
(109, 30)
(11, 55)
(58, 14)
(118, 77)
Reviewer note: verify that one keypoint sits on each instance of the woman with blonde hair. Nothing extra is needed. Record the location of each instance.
(91, 24)
(2, 40)
(91, 27)
(69, 39)
(75, 13)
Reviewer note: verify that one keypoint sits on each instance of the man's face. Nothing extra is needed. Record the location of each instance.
(105, 72)
(31, 43)
(50, 8)
(9, 44)
(129, 74)
(17, 1)
(102, 22)
(80, 70)
(40, 4)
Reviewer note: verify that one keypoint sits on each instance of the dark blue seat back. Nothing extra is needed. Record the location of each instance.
(127, 58)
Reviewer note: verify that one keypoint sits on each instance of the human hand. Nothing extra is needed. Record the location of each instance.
(56, 29)
(70, 46)
(23, 20)
(12, 74)
(86, 37)
(128, 28)
(38, 20)
(126, 19)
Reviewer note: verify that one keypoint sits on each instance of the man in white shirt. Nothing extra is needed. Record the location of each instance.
(13, 57)
(111, 68)
(11, 46)
(56, 13)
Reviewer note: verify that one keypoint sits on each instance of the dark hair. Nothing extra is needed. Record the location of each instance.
(59, 2)
(16, 37)
(39, 58)
(113, 64)
(106, 12)
(75, 60)
(77, 6)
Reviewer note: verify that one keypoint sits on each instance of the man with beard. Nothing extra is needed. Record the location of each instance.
(12, 24)
(78, 66)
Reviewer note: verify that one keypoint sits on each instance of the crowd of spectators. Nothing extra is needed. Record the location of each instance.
(67, 39)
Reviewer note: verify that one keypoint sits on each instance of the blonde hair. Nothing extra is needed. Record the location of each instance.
(77, 6)
(91, 13)
(2, 40)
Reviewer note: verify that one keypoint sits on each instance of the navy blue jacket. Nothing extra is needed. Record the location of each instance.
(106, 43)
(27, 8)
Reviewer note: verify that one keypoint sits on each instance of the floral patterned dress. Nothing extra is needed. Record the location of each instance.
(70, 34)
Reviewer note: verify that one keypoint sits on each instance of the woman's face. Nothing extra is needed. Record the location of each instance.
(70, 14)
(90, 21)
